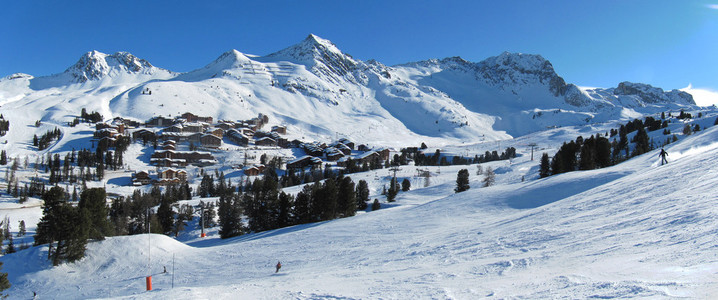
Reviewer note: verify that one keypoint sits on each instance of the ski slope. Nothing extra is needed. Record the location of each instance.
(637, 229)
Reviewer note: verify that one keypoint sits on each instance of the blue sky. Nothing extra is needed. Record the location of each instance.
(590, 43)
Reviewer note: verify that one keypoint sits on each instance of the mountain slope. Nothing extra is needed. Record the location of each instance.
(631, 230)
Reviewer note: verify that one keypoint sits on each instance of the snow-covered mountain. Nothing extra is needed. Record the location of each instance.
(321, 92)
(95, 65)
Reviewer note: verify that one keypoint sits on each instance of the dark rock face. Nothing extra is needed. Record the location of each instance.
(95, 65)
(653, 95)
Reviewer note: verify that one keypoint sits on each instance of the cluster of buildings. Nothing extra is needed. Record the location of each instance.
(163, 177)
(202, 133)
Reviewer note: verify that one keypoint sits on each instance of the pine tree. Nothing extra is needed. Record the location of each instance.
(376, 205)
(327, 199)
(230, 213)
(346, 197)
(165, 215)
(405, 185)
(3, 158)
(302, 205)
(362, 195)
(393, 190)
(642, 142)
(94, 201)
(62, 223)
(4, 282)
(490, 177)
(462, 181)
(284, 207)
(21, 229)
(544, 167)
(10, 246)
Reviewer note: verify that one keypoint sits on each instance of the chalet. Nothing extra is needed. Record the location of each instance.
(210, 141)
(363, 148)
(102, 125)
(384, 153)
(169, 147)
(312, 149)
(237, 137)
(174, 136)
(279, 129)
(106, 142)
(128, 123)
(168, 162)
(141, 178)
(172, 174)
(347, 142)
(251, 171)
(106, 132)
(174, 128)
(254, 170)
(284, 143)
(333, 154)
(169, 142)
(266, 141)
(192, 127)
(226, 125)
(144, 134)
(181, 158)
(190, 117)
(159, 122)
(216, 131)
(368, 157)
(303, 162)
(195, 138)
(343, 148)
(246, 131)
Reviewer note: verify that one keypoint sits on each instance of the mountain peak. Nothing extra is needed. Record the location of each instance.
(311, 49)
(95, 65)
(321, 55)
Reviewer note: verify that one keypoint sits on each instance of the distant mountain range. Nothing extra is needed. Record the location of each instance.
(318, 91)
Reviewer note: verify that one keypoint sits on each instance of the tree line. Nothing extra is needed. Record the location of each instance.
(597, 151)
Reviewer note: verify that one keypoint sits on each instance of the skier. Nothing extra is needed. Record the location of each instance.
(279, 266)
(663, 155)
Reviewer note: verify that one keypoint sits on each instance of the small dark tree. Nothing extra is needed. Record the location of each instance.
(362, 194)
(21, 229)
(687, 129)
(490, 177)
(376, 205)
(393, 190)
(4, 282)
(405, 185)
(346, 197)
(545, 166)
(462, 181)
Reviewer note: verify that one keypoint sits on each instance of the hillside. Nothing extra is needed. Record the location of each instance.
(632, 230)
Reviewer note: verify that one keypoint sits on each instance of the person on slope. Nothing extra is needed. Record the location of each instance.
(663, 155)
(279, 266)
